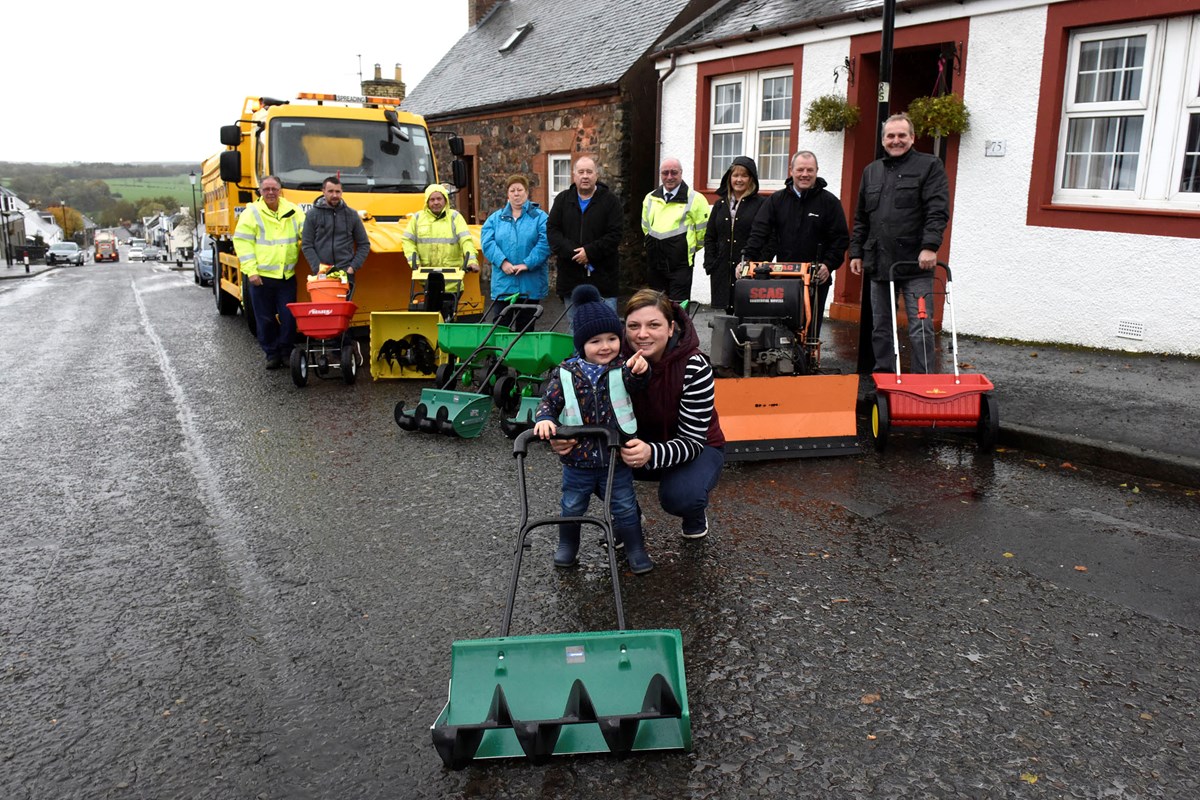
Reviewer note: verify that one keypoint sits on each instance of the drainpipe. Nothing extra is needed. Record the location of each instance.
(658, 113)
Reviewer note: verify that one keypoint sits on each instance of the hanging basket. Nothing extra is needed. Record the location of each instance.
(944, 115)
(831, 113)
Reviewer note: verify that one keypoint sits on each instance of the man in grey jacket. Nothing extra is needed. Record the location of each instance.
(903, 208)
(334, 235)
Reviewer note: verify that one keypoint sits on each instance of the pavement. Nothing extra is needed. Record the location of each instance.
(1130, 412)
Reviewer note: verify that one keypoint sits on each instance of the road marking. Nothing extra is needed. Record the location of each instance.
(234, 551)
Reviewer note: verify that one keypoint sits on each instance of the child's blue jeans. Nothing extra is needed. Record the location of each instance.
(578, 486)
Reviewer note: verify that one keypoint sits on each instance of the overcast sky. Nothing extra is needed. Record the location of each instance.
(155, 82)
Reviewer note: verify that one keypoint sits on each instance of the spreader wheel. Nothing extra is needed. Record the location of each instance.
(299, 364)
(504, 393)
(881, 422)
(443, 374)
(989, 422)
(349, 364)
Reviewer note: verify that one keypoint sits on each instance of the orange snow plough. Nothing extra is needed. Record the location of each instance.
(772, 398)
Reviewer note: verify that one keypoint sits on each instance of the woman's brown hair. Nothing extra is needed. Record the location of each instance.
(644, 298)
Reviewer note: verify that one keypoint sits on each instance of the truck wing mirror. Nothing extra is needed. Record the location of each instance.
(231, 135)
(459, 168)
(231, 166)
(457, 146)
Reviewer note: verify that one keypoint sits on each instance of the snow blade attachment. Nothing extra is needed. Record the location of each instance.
(404, 344)
(788, 417)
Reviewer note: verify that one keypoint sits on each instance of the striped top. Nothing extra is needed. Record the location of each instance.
(696, 405)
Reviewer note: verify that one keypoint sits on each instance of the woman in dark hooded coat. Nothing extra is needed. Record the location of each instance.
(729, 228)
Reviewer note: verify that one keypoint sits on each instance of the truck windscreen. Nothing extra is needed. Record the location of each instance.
(303, 152)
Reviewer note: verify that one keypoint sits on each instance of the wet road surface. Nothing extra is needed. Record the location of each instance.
(214, 584)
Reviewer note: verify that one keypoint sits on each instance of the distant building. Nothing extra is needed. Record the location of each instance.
(12, 225)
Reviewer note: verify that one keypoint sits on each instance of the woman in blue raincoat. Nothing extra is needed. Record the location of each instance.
(515, 244)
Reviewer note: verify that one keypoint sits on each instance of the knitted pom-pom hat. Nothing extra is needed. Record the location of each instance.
(592, 316)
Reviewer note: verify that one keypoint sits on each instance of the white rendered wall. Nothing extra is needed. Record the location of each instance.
(1012, 280)
(817, 78)
(1049, 284)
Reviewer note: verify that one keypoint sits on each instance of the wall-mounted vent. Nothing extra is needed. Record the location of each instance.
(1131, 329)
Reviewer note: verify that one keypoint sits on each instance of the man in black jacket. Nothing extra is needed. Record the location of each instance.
(903, 208)
(584, 230)
(334, 235)
(808, 225)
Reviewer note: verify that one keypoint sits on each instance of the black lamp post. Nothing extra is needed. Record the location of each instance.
(195, 216)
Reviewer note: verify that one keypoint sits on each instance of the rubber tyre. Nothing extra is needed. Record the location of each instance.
(349, 364)
(405, 421)
(989, 423)
(442, 375)
(299, 364)
(227, 304)
(248, 310)
(504, 393)
(881, 423)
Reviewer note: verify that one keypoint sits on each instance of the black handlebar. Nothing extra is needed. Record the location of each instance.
(612, 440)
(917, 264)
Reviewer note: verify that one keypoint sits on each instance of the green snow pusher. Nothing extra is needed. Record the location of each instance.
(562, 693)
(460, 406)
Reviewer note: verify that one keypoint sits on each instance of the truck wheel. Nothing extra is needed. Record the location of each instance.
(227, 304)
(248, 310)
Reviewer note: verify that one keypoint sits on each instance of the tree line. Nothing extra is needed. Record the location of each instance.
(81, 187)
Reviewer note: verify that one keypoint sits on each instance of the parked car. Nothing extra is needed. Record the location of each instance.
(66, 253)
(137, 252)
(202, 266)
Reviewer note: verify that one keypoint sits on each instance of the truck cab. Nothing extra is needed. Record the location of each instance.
(384, 159)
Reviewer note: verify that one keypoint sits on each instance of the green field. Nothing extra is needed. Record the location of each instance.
(137, 189)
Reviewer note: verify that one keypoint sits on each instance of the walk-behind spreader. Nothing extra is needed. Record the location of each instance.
(561, 693)
(961, 402)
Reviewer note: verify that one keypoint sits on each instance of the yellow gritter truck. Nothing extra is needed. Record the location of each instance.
(384, 158)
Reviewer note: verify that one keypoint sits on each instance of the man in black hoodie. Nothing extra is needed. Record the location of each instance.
(807, 224)
(334, 235)
(584, 230)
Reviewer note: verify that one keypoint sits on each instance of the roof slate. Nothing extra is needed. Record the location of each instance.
(738, 17)
(573, 46)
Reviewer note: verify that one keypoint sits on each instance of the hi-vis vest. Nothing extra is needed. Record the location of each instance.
(438, 242)
(268, 243)
(622, 405)
(663, 220)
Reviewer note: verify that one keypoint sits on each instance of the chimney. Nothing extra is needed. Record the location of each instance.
(478, 9)
(383, 87)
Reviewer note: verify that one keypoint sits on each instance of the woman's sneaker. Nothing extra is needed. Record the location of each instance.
(692, 530)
